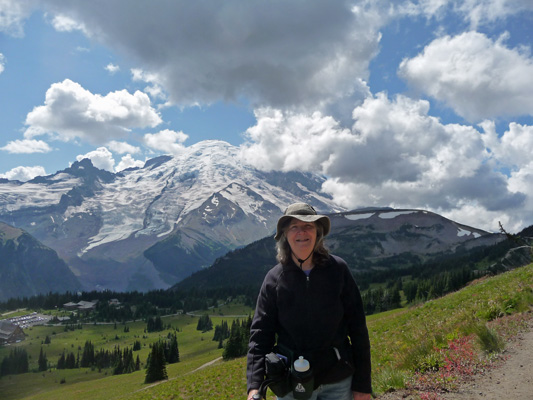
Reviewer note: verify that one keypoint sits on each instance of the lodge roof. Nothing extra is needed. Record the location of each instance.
(7, 328)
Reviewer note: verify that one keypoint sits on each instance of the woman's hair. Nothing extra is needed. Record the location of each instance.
(284, 252)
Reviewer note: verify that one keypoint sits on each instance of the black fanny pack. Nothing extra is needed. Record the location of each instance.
(278, 374)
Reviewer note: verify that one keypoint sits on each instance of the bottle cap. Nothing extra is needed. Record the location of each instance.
(301, 364)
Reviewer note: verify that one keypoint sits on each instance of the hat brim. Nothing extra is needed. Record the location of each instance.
(320, 219)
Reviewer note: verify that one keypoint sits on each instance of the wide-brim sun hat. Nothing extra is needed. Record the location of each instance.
(303, 212)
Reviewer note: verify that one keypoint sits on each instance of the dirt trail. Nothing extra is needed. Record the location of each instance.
(513, 379)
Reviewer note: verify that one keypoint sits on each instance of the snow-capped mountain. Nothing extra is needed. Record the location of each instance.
(150, 227)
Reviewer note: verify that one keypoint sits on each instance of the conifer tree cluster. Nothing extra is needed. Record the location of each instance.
(43, 361)
(446, 282)
(237, 343)
(67, 361)
(120, 360)
(154, 324)
(15, 363)
(155, 364)
(415, 290)
(222, 332)
(172, 352)
(137, 345)
(125, 363)
(204, 324)
(163, 352)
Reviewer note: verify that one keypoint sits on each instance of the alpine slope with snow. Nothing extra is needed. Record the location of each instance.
(147, 228)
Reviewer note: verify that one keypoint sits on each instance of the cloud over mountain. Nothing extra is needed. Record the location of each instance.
(397, 154)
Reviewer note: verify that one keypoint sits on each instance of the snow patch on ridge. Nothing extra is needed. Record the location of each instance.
(463, 232)
(391, 215)
(355, 217)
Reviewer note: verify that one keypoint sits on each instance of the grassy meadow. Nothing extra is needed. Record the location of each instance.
(404, 342)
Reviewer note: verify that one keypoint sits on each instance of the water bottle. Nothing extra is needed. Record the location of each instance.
(302, 379)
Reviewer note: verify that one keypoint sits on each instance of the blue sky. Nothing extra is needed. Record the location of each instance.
(419, 104)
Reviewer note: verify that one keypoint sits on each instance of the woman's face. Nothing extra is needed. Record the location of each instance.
(301, 237)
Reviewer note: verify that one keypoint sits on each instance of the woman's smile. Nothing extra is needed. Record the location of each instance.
(302, 238)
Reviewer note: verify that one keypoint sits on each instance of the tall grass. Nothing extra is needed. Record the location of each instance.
(489, 340)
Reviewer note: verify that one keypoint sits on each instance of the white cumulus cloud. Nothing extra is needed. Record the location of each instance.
(63, 23)
(24, 174)
(71, 112)
(477, 77)
(167, 141)
(128, 161)
(26, 146)
(112, 68)
(514, 148)
(396, 154)
(122, 147)
(101, 158)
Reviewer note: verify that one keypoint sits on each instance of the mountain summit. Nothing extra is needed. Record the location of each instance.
(150, 227)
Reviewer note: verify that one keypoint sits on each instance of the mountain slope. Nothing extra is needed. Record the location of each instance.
(369, 240)
(28, 268)
(147, 228)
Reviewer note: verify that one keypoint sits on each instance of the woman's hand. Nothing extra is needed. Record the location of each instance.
(251, 393)
(361, 396)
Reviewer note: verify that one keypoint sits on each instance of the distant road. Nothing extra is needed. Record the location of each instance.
(12, 312)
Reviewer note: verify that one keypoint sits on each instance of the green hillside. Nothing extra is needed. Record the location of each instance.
(403, 341)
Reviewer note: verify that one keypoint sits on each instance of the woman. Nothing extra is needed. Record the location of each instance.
(309, 305)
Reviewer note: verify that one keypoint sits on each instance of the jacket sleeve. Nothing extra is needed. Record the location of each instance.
(262, 331)
(358, 332)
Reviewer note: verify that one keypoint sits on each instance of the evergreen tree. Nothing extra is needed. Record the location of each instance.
(119, 367)
(246, 326)
(155, 364)
(233, 347)
(396, 298)
(172, 353)
(71, 361)
(221, 332)
(410, 290)
(204, 324)
(154, 324)
(43, 361)
(87, 358)
(129, 364)
(61, 361)
(15, 363)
